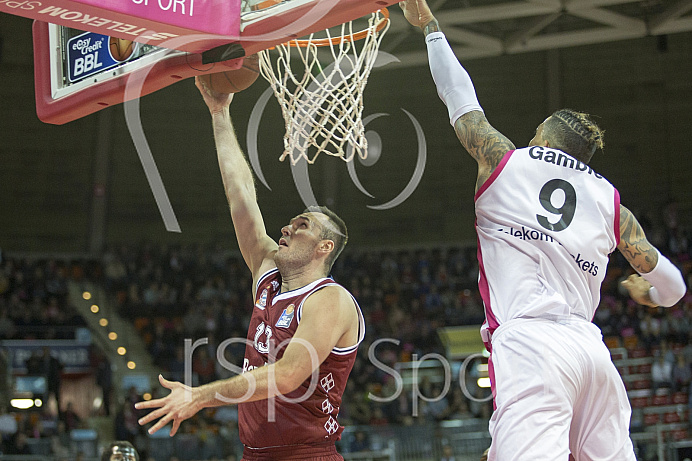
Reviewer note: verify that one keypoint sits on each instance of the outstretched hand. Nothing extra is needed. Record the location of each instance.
(417, 12)
(638, 289)
(177, 406)
(216, 102)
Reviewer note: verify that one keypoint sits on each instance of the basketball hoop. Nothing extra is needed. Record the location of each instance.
(323, 108)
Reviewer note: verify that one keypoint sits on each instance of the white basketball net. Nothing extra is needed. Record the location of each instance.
(323, 107)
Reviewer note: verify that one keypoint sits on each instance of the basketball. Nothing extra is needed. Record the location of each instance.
(233, 81)
(120, 48)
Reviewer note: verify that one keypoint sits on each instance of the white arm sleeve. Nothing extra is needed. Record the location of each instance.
(667, 283)
(453, 83)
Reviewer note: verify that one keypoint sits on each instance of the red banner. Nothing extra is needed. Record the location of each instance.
(145, 21)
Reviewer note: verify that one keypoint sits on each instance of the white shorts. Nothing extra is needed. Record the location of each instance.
(556, 391)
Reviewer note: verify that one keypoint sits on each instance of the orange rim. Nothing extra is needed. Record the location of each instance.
(336, 40)
(265, 4)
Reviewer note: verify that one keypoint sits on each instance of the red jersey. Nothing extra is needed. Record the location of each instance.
(311, 420)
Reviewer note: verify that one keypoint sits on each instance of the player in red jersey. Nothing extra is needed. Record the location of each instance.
(303, 334)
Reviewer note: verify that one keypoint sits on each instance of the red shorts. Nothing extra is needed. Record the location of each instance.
(321, 452)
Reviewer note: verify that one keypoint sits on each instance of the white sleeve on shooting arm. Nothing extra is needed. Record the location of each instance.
(667, 284)
(454, 86)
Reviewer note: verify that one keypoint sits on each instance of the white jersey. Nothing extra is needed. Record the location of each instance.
(546, 224)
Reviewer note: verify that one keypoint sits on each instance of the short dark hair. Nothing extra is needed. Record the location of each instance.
(573, 132)
(334, 229)
(106, 456)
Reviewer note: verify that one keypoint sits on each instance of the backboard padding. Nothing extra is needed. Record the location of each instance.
(59, 104)
(144, 21)
(258, 30)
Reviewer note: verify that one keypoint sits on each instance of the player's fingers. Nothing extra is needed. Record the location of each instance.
(165, 383)
(150, 404)
(162, 422)
(176, 425)
(152, 416)
(630, 280)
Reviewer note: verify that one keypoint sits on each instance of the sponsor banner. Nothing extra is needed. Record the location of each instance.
(146, 21)
(203, 15)
(74, 356)
(89, 54)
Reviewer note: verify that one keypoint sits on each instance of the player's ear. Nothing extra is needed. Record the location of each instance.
(325, 246)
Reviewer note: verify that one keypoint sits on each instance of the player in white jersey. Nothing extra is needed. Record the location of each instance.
(546, 223)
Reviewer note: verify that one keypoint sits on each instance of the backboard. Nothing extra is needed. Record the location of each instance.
(164, 54)
(75, 73)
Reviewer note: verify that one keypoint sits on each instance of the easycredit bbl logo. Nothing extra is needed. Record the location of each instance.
(91, 53)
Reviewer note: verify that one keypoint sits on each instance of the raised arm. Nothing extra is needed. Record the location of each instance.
(660, 282)
(483, 142)
(239, 184)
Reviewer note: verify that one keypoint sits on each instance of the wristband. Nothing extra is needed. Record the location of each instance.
(667, 285)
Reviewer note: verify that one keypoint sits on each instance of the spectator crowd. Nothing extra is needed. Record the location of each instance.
(174, 292)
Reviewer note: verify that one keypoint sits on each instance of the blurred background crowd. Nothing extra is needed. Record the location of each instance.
(170, 293)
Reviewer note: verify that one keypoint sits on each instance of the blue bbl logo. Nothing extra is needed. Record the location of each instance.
(89, 54)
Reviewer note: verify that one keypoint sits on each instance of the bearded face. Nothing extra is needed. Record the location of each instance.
(292, 258)
(298, 242)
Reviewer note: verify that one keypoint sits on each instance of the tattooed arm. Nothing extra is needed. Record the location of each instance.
(641, 255)
(634, 246)
(484, 143)
(660, 282)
